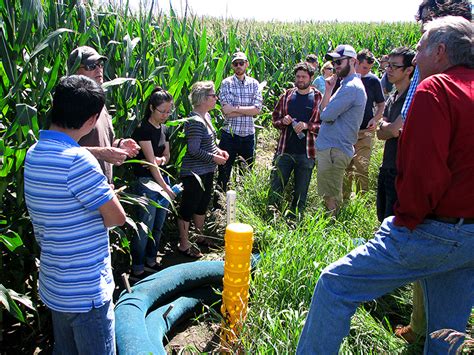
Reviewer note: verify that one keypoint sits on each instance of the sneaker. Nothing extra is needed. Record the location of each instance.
(152, 269)
(147, 271)
(134, 278)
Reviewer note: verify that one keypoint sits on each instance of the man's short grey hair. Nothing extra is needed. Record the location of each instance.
(200, 91)
(456, 34)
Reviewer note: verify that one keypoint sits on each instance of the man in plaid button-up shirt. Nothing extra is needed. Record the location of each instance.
(241, 100)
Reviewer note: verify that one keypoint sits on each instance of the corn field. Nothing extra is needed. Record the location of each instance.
(144, 49)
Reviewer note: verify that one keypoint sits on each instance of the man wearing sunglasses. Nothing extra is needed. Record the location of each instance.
(312, 60)
(341, 117)
(241, 100)
(101, 140)
(358, 170)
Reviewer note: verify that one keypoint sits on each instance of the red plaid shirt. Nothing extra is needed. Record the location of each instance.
(281, 110)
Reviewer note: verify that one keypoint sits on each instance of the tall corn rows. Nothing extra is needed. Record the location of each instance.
(144, 50)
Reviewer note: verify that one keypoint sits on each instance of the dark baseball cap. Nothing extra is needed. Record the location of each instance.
(84, 55)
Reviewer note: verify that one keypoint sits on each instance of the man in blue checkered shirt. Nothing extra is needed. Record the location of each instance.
(241, 100)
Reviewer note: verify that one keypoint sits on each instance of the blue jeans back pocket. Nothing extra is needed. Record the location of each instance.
(423, 249)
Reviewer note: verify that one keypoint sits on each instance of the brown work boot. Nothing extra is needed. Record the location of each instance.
(405, 332)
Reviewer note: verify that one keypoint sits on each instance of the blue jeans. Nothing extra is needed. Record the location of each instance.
(92, 332)
(386, 193)
(284, 165)
(440, 255)
(234, 145)
(154, 218)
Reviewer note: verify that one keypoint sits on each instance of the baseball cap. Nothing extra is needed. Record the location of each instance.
(84, 55)
(342, 50)
(239, 56)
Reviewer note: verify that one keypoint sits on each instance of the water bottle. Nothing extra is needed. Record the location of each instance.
(300, 135)
(177, 189)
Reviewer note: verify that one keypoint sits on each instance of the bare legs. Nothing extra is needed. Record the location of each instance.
(183, 228)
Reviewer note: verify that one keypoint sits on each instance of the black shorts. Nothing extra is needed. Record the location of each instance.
(195, 200)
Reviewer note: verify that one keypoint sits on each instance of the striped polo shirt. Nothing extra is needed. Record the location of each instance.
(64, 188)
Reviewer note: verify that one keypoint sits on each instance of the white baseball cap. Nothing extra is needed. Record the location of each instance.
(342, 50)
(239, 56)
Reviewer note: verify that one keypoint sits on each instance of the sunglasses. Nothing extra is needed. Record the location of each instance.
(394, 66)
(329, 68)
(93, 66)
(339, 61)
(238, 63)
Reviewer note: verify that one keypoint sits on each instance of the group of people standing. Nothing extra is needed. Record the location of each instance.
(338, 120)
(71, 226)
(428, 236)
(240, 98)
(424, 198)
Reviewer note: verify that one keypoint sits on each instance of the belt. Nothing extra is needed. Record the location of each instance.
(451, 220)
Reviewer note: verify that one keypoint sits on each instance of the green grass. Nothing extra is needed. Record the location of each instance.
(293, 253)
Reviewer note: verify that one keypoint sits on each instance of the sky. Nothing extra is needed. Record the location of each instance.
(294, 10)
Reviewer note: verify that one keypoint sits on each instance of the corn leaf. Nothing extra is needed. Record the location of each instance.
(10, 305)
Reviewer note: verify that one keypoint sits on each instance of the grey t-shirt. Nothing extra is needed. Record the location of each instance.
(342, 117)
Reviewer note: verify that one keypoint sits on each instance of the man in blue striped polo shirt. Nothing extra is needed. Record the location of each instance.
(71, 205)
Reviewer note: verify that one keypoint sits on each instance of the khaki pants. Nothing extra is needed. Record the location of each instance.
(332, 163)
(358, 169)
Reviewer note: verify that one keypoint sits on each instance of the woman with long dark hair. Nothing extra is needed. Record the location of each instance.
(153, 137)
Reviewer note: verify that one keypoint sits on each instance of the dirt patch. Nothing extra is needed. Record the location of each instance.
(194, 337)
